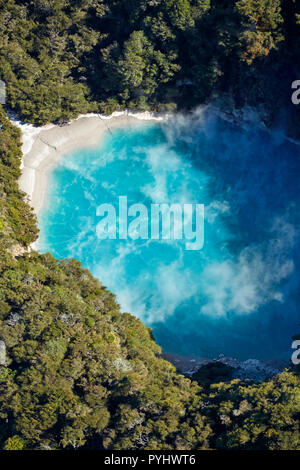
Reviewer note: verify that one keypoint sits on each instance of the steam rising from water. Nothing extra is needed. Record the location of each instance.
(239, 294)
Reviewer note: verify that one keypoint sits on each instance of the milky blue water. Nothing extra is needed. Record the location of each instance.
(240, 294)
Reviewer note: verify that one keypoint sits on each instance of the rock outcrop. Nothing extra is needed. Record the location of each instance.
(251, 369)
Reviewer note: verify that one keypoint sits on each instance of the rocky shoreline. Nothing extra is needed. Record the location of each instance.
(252, 369)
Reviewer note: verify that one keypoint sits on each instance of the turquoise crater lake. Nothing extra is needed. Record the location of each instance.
(239, 295)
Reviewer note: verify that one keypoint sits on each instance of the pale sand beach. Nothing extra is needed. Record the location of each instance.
(44, 146)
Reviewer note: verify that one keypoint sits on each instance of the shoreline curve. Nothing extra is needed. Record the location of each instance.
(44, 146)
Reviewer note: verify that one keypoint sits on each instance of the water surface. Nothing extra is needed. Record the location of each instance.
(240, 294)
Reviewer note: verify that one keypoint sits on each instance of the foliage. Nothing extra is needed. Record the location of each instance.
(14, 443)
(62, 58)
(17, 222)
(257, 417)
(213, 373)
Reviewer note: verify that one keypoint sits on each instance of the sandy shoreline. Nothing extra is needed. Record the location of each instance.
(44, 146)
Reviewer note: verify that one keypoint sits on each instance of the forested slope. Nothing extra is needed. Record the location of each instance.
(60, 58)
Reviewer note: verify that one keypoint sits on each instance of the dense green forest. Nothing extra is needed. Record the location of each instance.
(60, 58)
(74, 371)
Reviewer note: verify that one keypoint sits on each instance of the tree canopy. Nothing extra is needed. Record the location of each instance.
(62, 58)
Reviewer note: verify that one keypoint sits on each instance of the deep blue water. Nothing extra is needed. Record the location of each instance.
(240, 294)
